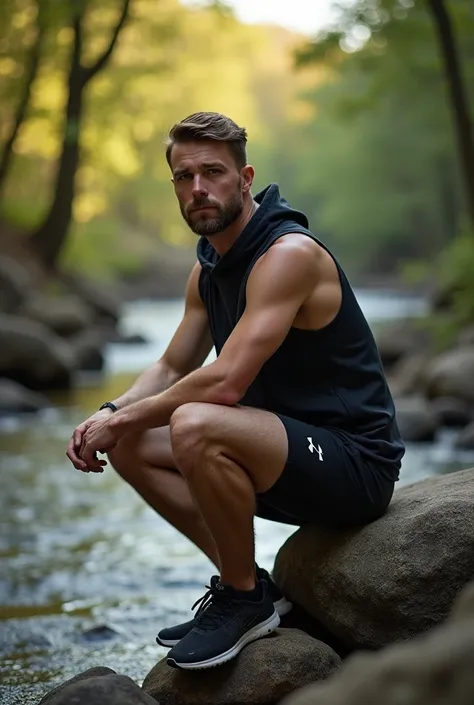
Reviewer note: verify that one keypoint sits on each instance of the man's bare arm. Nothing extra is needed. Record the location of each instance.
(186, 351)
(278, 286)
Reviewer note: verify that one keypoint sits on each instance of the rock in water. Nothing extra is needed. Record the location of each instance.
(90, 673)
(15, 399)
(16, 284)
(394, 578)
(452, 375)
(401, 338)
(452, 412)
(264, 672)
(435, 669)
(102, 689)
(465, 439)
(416, 421)
(101, 632)
(65, 316)
(34, 356)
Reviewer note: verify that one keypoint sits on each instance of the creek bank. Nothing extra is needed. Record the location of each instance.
(52, 329)
(384, 591)
(432, 389)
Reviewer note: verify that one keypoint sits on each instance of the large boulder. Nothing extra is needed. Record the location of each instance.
(65, 316)
(465, 439)
(93, 672)
(397, 340)
(15, 284)
(102, 689)
(14, 398)
(100, 297)
(88, 349)
(264, 672)
(406, 375)
(34, 356)
(394, 578)
(452, 412)
(415, 419)
(436, 668)
(452, 374)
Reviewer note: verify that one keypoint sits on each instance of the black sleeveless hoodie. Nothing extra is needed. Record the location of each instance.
(330, 377)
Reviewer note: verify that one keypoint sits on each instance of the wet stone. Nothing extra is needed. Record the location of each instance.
(101, 632)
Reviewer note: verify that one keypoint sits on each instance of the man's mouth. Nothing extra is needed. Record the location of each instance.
(202, 208)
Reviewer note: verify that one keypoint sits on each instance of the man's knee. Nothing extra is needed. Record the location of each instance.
(190, 431)
(137, 453)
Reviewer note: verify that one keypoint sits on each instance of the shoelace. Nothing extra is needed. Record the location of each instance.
(213, 606)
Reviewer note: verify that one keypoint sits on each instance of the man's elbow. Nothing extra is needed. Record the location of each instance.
(229, 390)
(227, 394)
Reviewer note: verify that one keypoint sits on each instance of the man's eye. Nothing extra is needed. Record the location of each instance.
(183, 177)
(213, 171)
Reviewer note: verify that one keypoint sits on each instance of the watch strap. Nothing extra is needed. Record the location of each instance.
(109, 405)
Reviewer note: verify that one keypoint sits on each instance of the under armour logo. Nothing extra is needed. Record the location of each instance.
(313, 448)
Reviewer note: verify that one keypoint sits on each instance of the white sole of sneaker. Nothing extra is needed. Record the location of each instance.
(166, 642)
(257, 632)
(282, 606)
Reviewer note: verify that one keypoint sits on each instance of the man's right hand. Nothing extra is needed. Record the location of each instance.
(75, 443)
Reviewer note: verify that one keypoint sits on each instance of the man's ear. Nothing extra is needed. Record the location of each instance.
(247, 174)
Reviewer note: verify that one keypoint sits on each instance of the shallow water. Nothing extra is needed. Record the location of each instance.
(83, 552)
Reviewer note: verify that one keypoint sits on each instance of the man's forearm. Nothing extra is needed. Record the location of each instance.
(153, 381)
(203, 385)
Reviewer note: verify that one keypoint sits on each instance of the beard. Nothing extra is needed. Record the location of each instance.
(205, 224)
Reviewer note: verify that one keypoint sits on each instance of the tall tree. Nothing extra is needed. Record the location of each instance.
(458, 97)
(31, 70)
(50, 236)
(399, 25)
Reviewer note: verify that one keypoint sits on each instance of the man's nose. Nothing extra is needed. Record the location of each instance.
(198, 186)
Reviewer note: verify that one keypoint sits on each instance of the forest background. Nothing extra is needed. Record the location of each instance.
(367, 128)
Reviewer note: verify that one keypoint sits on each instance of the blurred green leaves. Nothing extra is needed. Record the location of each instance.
(359, 135)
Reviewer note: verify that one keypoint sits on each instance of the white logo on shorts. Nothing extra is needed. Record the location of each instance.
(313, 448)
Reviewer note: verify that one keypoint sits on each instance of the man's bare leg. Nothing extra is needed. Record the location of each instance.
(227, 455)
(146, 462)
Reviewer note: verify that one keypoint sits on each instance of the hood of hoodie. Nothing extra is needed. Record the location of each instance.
(273, 214)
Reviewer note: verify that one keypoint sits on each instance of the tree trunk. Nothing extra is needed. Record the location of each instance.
(458, 99)
(31, 71)
(49, 238)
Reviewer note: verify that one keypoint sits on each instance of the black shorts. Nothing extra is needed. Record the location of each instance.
(326, 480)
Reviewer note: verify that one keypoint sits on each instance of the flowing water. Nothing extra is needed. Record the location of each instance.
(88, 572)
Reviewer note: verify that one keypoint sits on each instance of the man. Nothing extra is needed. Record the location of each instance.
(292, 422)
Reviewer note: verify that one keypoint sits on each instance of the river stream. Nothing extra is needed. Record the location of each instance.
(88, 571)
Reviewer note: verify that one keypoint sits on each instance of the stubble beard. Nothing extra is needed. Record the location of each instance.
(228, 214)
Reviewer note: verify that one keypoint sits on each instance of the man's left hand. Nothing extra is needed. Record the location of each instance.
(99, 438)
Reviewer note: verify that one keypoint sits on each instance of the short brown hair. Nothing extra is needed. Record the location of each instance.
(210, 126)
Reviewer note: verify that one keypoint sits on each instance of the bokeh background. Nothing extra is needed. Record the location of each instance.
(361, 110)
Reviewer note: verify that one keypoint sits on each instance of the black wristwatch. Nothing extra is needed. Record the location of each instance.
(108, 405)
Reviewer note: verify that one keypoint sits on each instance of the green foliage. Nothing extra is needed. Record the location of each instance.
(381, 178)
(170, 61)
(453, 272)
(456, 274)
(360, 136)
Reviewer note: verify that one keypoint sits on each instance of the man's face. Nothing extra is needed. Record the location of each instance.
(208, 185)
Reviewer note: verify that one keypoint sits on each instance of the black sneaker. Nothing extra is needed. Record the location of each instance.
(225, 623)
(281, 604)
(170, 636)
